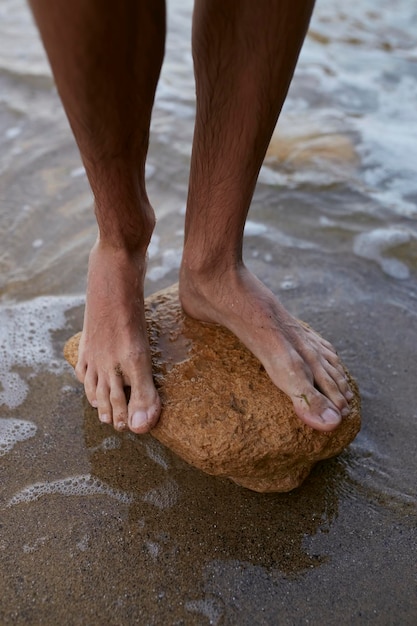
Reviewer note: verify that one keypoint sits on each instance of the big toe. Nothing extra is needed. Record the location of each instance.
(317, 411)
(144, 412)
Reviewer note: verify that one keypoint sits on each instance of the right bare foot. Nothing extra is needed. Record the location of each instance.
(114, 349)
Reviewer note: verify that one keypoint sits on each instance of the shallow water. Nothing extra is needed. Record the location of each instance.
(105, 528)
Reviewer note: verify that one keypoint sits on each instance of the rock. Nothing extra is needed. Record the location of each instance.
(221, 412)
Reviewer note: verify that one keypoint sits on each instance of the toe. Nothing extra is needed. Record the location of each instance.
(144, 410)
(104, 408)
(90, 388)
(330, 418)
(316, 410)
(332, 384)
(80, 370)
(328, 353)
(118, 403)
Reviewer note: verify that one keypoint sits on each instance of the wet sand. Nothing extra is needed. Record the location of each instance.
(114, 529)
(106, 528)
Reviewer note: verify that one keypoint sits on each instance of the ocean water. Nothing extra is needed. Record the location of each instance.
(332, 230)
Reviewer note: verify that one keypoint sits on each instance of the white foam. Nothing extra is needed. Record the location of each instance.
(82, 545)
(149, 170)
(25, 341)
(80, 485)
(77, 172)
(252, 229)
(12, 431)
(289, 283)
(369, 91)
(268, 176)
(163, 497)
(13, 132)
(109, 443)
(373, 244)
(153, 548)
(156, 453)
(153, 247)
(389, 149)
(171, 259)
(13, 389)
(208, 607)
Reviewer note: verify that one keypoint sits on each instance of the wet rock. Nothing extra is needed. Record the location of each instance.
(221, 413)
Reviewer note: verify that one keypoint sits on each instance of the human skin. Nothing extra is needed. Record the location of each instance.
(106, 58)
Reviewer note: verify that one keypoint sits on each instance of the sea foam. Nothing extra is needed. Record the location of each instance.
(12, 431)
(26, 342)
(80, 485)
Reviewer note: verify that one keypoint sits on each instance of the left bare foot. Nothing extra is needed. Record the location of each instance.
(299, 362)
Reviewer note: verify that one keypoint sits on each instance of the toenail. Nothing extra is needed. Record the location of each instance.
(94, 404)
(104, 418)
(345, 412)
(121, 426)
(330, 416)
(139, 419)
(349, 394)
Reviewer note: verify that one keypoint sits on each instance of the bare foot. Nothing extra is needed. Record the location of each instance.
(299, 362)
(114, 349)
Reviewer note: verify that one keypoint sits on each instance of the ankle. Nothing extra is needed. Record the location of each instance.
(118, 256)
(207, 284)
(209, 268)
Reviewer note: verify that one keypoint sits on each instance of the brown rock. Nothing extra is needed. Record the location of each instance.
(221, 412)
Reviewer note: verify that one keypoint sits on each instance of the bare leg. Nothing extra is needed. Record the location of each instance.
(106, 57)
(244, 56)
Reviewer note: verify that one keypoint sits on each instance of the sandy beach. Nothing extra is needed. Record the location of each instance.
(105, 528)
